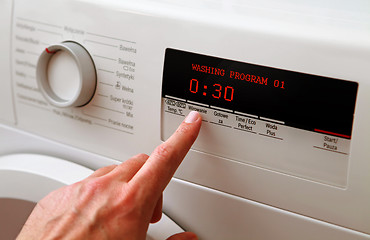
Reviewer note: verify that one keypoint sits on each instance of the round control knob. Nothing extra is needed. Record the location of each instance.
(66, 75)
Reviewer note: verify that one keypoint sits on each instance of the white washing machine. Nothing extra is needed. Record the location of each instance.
(283, 89)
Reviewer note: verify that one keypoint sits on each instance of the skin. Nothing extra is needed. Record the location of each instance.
(115, 202)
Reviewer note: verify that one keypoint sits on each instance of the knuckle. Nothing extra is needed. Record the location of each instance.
(87, 191)
(142, 156)
(165, 151)
(186, 130)
(102, 171)
(105, 169)
(109, 167)
(90, 188)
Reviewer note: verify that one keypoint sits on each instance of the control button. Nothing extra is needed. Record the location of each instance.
(66, 75)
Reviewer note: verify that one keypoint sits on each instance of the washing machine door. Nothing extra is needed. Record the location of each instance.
(27, 178)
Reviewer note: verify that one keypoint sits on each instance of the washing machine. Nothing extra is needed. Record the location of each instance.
(282, 87)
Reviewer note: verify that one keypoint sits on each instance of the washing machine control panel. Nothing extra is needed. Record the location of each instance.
(85, 84)
(256, 113)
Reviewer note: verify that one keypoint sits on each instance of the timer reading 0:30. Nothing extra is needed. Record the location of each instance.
(218, 92)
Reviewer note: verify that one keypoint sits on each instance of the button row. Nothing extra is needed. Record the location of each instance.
(224, 118)
(263, 127)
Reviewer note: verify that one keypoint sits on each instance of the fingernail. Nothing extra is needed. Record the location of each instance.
(192, 117)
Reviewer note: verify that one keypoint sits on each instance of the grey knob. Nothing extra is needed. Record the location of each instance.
(66, 75)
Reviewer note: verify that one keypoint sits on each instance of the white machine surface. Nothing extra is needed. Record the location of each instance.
(282, 86)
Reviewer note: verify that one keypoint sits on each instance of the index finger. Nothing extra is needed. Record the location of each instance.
(158, 170)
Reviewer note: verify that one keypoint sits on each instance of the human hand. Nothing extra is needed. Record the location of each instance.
(115, 202)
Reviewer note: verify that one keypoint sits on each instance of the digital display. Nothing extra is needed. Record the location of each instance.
(300, 100)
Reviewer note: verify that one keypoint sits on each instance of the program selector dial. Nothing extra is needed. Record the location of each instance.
(66, 75)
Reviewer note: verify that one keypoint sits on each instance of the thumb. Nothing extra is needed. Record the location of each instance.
(183, 236)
